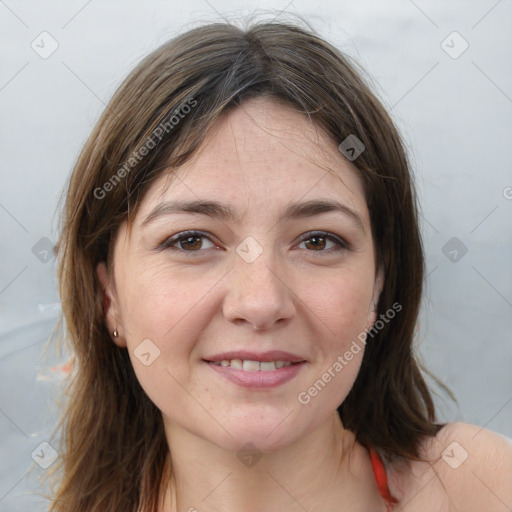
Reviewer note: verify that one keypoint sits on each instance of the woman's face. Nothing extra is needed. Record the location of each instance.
(272, 265)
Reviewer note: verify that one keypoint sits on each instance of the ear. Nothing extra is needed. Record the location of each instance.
(111, 306)
(377, 289)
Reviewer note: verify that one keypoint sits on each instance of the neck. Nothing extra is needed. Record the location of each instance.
(324, 469)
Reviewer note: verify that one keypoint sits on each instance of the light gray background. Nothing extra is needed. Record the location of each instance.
(455, 114)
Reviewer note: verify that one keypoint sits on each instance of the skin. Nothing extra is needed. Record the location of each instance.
(311, 297)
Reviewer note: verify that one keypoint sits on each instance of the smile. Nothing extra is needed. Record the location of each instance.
(252, 366)
(256, 374)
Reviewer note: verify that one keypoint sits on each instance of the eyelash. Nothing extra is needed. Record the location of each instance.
(180, 237)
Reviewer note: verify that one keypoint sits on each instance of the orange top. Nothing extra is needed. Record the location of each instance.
(381, 478)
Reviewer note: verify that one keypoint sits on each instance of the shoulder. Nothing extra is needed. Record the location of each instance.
(466, 468)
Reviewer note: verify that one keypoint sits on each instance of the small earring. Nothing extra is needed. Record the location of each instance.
(115, 333)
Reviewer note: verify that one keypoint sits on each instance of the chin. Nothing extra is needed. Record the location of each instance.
(267, 433)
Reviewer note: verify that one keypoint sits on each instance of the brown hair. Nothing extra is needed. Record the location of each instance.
(114, 454)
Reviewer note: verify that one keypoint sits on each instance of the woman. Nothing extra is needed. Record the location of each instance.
(241, 271)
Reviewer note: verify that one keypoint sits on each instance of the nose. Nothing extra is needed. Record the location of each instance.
(258, 294)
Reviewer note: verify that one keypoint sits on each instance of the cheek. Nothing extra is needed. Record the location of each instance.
(340, 309)
(168, 309)
(171, 309)
(342, 303)
(157, 300)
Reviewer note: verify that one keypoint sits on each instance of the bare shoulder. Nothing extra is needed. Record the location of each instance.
(467, 468)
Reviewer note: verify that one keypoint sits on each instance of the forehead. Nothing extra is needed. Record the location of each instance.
(262, 155)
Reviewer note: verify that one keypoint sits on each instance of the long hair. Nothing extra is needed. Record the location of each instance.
(114, 454)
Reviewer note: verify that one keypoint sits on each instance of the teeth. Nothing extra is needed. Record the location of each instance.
(236, 364)
(253, 366)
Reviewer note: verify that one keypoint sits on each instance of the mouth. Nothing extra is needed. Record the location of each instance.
(256, 373)
(248, 365)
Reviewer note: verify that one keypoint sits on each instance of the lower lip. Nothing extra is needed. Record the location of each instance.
(259, 379)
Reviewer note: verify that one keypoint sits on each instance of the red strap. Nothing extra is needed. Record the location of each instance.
(380, 477)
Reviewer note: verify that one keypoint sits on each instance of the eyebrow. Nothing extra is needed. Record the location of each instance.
(221, 211)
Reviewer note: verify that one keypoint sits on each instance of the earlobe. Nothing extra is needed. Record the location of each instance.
(110, 306)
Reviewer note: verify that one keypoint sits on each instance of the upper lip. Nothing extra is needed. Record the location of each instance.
(272, 355)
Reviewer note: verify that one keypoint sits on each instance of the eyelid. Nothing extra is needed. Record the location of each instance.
(342, 243)
(169, 242)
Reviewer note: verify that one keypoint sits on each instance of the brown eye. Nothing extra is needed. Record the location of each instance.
(319, 242)
(191, 242)
(187, 241)
(316, 243)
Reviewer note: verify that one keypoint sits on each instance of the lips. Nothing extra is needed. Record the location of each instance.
(256, 370)
(249, 365)
(245, 355)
